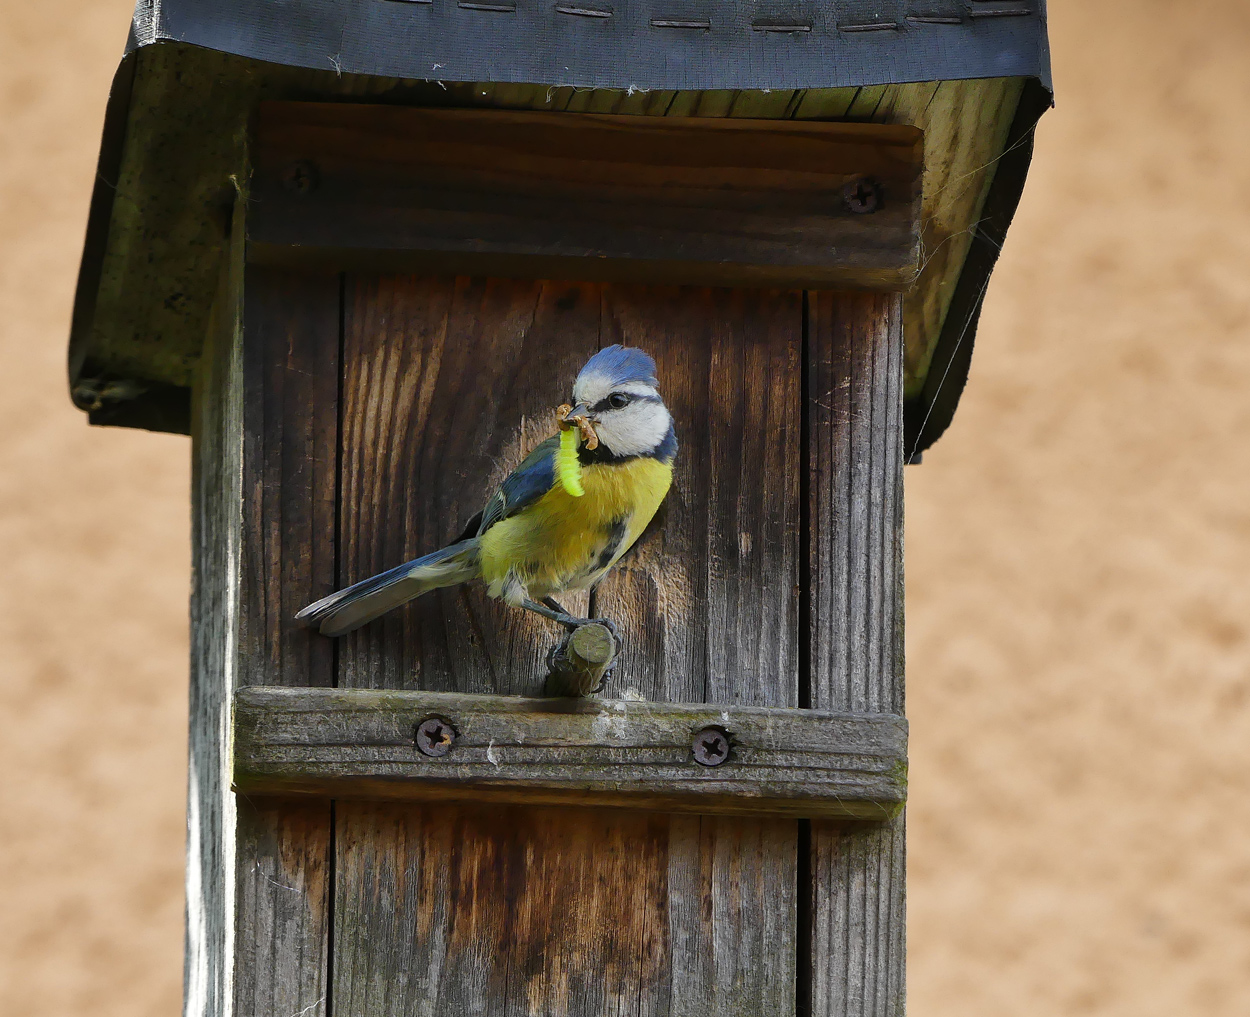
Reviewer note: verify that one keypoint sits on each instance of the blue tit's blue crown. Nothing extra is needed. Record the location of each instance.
(619, 365)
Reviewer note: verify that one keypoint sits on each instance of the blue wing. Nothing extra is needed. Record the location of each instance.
(525, 485)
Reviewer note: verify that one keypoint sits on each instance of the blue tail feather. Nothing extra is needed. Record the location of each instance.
(348, 609)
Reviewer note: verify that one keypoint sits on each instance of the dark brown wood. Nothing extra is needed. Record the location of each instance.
(360, 744)
(445, 385)
(709, 606)
(503, 911)
(584, 196)
(856, 637)
(290, 426)
(290, 354)
(282, 918)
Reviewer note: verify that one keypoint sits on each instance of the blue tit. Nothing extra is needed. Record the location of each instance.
(559, 521)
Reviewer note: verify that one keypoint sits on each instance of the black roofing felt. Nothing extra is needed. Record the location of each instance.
(649, 44)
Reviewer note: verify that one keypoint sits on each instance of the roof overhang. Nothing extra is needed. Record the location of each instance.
(973, 74)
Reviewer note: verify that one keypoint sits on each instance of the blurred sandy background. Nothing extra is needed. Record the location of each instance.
(1078, 558)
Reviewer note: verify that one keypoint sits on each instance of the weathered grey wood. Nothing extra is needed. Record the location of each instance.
(732, 914)
(855, 377)
(359, 744)
(581, 660)
(290, 350)
(216, 456)
(705, 199)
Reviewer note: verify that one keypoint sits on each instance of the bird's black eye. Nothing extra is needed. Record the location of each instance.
(618, 399)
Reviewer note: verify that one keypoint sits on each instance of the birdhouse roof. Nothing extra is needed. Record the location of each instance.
(643, 44)
(974, 74)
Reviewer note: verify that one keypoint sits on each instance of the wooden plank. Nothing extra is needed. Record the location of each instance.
(360, 744)
(732, 916)
(501, 911)
(291, 353)
(856, 650)
(702, 626)
(290, 462)
(161, 243)
(282, 918)
(702, 623)
(437, 377)
(706, 199)
(216, 477)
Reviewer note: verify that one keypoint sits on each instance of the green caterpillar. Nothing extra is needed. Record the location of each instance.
(568, 469)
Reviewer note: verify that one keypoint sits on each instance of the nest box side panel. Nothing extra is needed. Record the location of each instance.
(509, 910)
(856, 920)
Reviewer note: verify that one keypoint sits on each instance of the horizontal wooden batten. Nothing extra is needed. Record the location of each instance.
(363, 743)
(581, 196)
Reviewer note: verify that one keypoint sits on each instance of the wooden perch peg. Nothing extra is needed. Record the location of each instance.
(580, 662)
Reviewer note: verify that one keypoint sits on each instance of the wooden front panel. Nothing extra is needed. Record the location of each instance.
(446, 385)
(399, 402)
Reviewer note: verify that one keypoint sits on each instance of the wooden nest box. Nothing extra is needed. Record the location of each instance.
(358, 249)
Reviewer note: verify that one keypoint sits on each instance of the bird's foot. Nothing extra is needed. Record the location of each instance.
(582, 662)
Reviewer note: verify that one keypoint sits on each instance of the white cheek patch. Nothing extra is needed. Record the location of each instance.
(634, 430)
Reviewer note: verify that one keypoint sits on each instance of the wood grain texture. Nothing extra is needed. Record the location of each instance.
(709, 606)
(447, 384)
(856, 647)
(702, 199)
(217, 470)
(580, 663)
(502, 911)
(282, 918)
(437, 374)
(290, 364)
(290, 347)
(359, 744)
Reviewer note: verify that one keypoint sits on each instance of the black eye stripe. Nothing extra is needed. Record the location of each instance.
(629, 397)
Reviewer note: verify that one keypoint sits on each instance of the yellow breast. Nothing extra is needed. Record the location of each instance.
(558, 543)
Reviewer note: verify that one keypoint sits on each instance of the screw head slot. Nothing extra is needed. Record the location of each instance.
(710, 746)
(434, 736)
(862, 195)
(301, 177)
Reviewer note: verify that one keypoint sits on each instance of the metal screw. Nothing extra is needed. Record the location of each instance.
(862, 195)
(301, 177)
(434, 736)
(710, 746)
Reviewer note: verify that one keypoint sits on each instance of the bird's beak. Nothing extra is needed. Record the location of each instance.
(580, 410)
